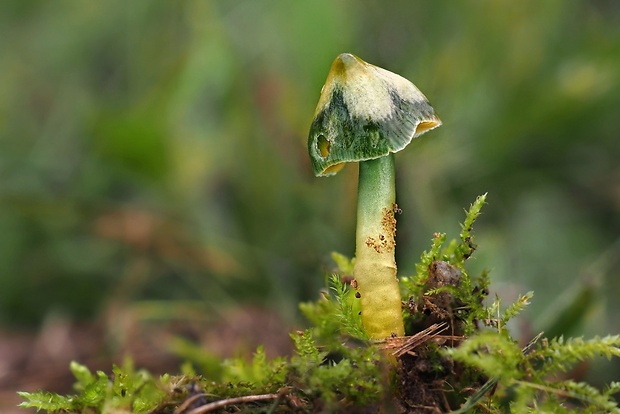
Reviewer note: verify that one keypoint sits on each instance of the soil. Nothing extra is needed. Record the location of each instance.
(31, 361)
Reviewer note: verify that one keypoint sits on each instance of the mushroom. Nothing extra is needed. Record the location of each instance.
(365, 114)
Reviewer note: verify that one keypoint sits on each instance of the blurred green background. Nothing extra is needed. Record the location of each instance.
(157, 151)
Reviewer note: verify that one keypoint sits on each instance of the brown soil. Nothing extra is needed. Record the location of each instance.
(31, 361)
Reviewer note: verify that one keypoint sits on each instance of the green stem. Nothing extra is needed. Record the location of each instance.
(375, 267)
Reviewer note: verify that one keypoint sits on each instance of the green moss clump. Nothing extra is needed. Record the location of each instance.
(458, 357)
(125, 390)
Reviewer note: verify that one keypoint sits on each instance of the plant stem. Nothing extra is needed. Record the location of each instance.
(375, 267)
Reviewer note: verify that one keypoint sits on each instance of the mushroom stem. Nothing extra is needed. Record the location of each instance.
(375, 266)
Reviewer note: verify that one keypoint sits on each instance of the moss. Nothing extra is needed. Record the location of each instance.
(458, 357)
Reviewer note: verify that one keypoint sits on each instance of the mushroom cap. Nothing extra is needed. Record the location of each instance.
(365, 112)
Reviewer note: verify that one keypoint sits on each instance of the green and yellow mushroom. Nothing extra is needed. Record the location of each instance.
(365, 114)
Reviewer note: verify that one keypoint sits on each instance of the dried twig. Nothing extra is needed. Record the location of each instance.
(189, 401)
(420, 338)
(230, 401)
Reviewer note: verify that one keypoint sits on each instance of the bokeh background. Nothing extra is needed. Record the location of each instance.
(153, 154)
